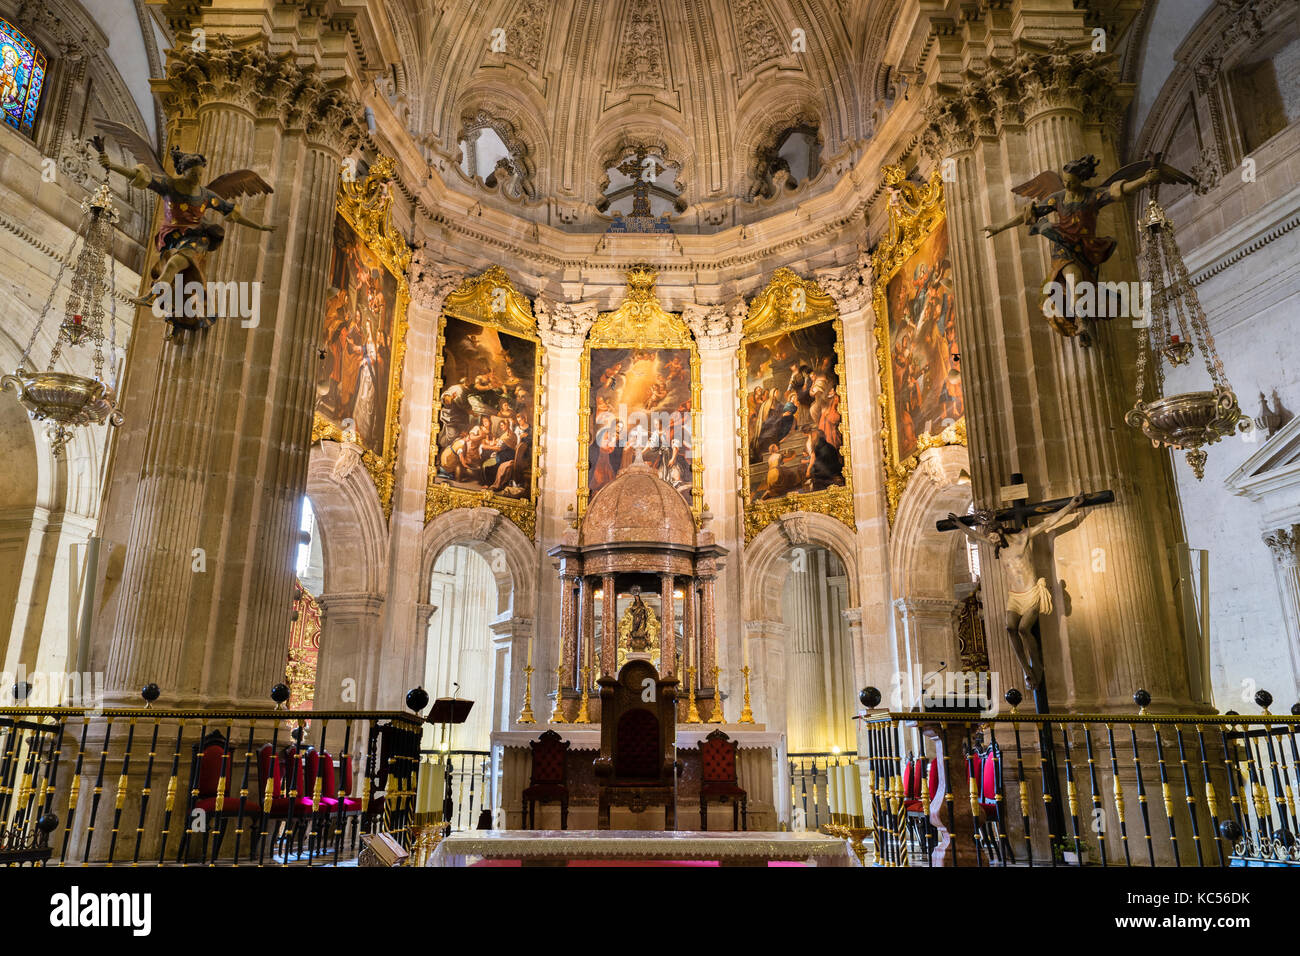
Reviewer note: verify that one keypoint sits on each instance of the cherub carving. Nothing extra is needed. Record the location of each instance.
(184, 239)
(1064, 211)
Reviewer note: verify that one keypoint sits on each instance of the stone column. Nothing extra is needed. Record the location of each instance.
(510, 638)
(1045, 406)
(208, 574)
(668, 628)
(767, 678)
(709, 623)
(347, 676)
(926, 638)
(691, 631)
(568, 625)
(1285, 545)
(608, 628)
(562, 328)
(588, 626)
(806, 688)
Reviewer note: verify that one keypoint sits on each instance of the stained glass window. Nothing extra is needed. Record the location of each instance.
(22, 74)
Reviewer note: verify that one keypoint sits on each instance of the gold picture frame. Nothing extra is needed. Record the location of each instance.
(639, 322)
(789, 303)
(489, 300)
(916, 213)
(366, 206)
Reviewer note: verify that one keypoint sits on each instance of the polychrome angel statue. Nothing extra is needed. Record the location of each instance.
(184, 239)
(1064, 211)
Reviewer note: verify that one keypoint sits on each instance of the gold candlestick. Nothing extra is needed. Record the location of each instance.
(557, 712)
(582, 717)
(746, 715)
(716, 717)
(692, 714)
(526, 715)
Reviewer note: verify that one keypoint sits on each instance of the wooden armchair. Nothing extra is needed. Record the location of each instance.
(548, 783)
(637, 765)
(718, 779)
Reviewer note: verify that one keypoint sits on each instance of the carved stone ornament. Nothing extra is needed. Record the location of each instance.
(245, 73)
(563, 324)
(1284, 543)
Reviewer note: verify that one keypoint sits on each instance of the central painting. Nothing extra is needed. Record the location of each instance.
(641, 384)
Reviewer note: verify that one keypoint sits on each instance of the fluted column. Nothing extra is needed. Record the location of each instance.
(1044, 406)
(588, 626)
(608, 628)
(1284, 543)
(668, 628)
(805, 690)
(208, 573)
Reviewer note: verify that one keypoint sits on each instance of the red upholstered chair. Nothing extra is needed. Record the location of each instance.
(336, 808)
(987, 785)
(915, 805)
(718, 778)
(211, 762)
(549, 780)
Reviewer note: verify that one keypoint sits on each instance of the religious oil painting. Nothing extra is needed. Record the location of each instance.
(22, 75)
(354, 379)
(640, 403)
(792, 408)
(485, 413)
(916, 331)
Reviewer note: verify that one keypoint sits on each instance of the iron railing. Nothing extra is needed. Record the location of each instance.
(808, 785)
(147, 787)
(1058, 789)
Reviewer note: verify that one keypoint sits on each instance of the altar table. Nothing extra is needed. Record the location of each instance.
(557, 847)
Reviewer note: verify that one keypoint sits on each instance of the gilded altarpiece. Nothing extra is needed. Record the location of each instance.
(916, 331)
(304, 649)
(359, 383)
(487, 403)
(640, 381)
(794, 427)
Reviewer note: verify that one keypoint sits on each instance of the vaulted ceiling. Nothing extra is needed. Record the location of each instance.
(709, 80)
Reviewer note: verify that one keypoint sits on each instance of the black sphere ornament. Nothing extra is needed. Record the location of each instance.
(1263, 698)
(1295, 710)
(47, 823)
(22, 691)
(1142, 698)
(417, 699)
(1013, 697)
(280, 693)
(150, 692)
(1230, 830)
(869, 697)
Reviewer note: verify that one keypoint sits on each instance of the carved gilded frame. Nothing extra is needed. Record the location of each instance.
(915, 212)
(490, 300)
(639, 322)
(790, 303)
(367, 205)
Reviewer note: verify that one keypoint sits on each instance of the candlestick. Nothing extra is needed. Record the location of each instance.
(746, 715)
(557, 713)
(530, 652)
(692, 713)
(716, 717)
(582, 717)
(526, 715)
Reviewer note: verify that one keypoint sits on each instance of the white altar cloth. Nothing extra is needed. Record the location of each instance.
(554, 846)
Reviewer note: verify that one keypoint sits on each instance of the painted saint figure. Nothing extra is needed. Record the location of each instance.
(1027, 594)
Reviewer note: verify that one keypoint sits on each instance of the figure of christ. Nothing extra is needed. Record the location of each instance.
(1027, 594)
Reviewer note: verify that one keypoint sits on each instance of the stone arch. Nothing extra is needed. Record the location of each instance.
(629, 125)
(765, 564)
(490, 534)
(354, 533)
(514, 115)
(763, 114)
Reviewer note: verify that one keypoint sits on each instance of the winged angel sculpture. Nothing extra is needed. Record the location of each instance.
(1064, 211)
(184, 239)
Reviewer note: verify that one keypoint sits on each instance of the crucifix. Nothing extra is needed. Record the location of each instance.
(1009, 533)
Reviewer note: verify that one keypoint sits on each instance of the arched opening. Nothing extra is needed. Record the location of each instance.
(818, 654)
(305, 619)
(480, 151)
(18, 506)
(458, 652)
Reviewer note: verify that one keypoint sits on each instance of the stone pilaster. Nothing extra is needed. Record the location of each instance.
(1045, 406)
(568, 626)
(767, 679)
(668, 630)
(608, 627)
(1284, 543)
(348, 677)
(224, 466)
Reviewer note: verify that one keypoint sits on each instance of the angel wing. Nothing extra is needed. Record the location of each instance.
(1168, 174)
(1041, 186)
(239, 182)
(133, 143)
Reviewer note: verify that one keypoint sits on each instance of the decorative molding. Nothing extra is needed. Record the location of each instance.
(1285, 545)
(563, 324)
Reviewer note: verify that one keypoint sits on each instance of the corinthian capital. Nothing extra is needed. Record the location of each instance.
(244, 74)
(1283, 543)
(850, 285)
(563, 324)
(716, 326)
(431, 282)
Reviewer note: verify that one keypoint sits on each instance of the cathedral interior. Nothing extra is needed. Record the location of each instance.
(830, 432)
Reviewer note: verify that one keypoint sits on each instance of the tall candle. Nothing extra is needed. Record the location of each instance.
(830, 788)
(530, 652)
(855, 790)
(422, 788)
(744, 648)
